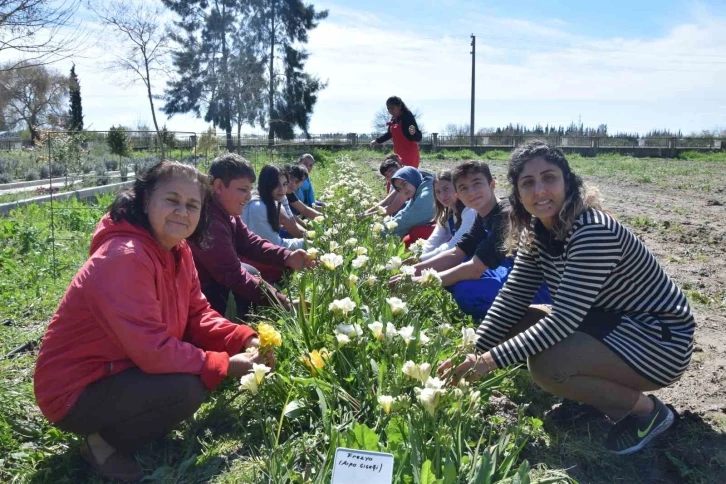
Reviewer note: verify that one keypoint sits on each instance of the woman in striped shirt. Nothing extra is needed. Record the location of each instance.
(619, 326)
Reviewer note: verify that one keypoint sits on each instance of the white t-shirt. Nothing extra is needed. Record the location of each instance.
(441, 239)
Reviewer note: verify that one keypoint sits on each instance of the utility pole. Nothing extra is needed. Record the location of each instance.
(473, 70)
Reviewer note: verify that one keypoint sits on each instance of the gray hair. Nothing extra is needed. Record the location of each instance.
(305, 156)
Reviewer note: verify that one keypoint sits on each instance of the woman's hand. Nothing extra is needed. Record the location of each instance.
(241, 364)
(374, 143)
(473, 368)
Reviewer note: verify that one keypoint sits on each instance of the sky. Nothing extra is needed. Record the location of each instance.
(633, 65)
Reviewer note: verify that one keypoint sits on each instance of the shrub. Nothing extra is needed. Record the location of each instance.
(101, 175)
(86, 168)
(4, 166)
(5, 178)
(31, 175)
(118, 141)
(124, 172)
(112, 165)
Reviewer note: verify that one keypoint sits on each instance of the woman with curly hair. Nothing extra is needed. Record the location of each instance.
(619, 326)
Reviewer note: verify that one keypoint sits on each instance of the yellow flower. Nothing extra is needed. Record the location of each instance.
(315, 360)
(269, 336)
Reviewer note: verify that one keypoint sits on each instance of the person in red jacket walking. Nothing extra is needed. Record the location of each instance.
(402, 128)
(219, 263)
(134, 346)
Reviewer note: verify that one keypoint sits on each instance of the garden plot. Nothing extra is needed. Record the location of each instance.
(345, 377)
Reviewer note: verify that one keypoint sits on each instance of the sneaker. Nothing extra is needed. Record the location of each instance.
(117, 467)
(635, 431)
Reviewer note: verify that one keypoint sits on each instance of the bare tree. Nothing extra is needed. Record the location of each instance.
(34, 96)
(141, 48)
(248, 83)
(34, 29)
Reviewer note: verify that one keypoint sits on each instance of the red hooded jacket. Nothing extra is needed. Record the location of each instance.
(132, 304)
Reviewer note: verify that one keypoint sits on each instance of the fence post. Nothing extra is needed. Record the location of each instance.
(673, 143)
(434, 141)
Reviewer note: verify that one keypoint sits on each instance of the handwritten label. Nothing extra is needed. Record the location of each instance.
(360, 466)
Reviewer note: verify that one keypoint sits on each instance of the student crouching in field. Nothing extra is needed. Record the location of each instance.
(134, 346)
(477, 267)
(392, 202)
(262, 214)
(305, 193)
(297, 175)
(452, 219)
(619, 325)
(220, 265)
(414, 220)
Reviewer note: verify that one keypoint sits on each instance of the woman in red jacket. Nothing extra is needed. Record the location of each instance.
(402, 128)
(134, 346)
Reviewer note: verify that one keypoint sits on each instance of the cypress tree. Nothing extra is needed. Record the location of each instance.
(75, 113)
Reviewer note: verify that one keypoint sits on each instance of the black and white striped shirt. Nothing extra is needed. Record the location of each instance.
(601, 266)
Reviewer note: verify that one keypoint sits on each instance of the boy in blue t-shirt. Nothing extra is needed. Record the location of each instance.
(305, 193)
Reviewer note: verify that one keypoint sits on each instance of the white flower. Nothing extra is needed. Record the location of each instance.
(394, 263)
(333, 245)
(353, 279)
(430, 277)
(319, 219)
(313, 253)
(445, 328)
(433, 382)
(359, 261)
(331, 261)
(429, 399)
(381, 211)
(386, 402)
(371, 280)
(351, 242)
(343, 339)
(468, 338)
(360, 251)
(331, 231)
(249, 383)
(397, 306)
(417, 372)
(376, 328)
(344, 305)
(422, 338)
(379, 268)
(406, 333)
(350, 330)
(391, 331)
(377, 227)
(391, 225)
(310, 234)
(408, 271)
(260, 371)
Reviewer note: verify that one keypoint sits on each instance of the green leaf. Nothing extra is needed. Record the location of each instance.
(427, 474)
(362, 437)
(522, 476)
(396, 432)
(293, 409)
(450, 473)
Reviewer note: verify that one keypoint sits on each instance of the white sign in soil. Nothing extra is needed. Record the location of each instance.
(360, 466)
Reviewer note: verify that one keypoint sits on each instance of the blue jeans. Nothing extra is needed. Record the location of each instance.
(475, 297)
